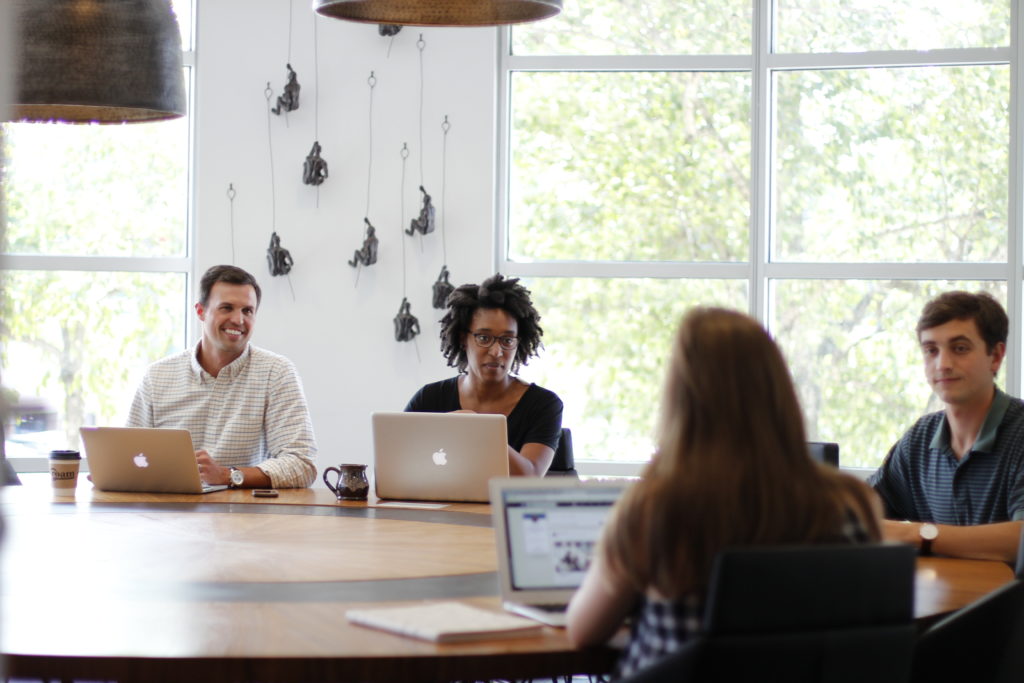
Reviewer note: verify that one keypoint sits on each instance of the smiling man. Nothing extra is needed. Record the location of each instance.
(954, 484)
(243, 405)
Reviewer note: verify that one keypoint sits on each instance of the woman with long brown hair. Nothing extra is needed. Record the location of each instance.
(732, 469)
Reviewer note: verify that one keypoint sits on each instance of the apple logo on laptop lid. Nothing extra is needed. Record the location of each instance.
(140, 460)
(440, 457)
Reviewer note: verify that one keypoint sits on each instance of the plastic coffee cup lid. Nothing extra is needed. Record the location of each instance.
(65, 455)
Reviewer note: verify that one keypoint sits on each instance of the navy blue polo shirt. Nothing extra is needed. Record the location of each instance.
(921, 479)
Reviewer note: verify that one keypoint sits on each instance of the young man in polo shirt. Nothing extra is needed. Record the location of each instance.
(954, 484)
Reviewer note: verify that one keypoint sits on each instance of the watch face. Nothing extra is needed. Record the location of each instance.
(237, 478)
(929, 532)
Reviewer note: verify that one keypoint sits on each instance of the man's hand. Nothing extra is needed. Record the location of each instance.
(996, 541)
(210, 472)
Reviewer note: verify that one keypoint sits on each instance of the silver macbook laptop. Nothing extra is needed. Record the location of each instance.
(545, 532)
(438, 456)
(143, 460)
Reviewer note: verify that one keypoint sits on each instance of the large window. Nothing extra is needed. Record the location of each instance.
(95, 267)
(825, 166)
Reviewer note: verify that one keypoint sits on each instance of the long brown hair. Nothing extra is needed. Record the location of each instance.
(732, 466)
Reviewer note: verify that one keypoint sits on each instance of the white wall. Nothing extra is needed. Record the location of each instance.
(339, 335)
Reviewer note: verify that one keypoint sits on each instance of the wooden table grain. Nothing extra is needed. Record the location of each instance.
(224, 586)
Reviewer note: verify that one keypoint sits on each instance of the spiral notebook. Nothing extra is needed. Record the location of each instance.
(444, 622)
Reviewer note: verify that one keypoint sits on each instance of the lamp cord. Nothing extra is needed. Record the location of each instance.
(290, 31)
(401, 220)
(231, 203)
(268, 93)
(445, 127)
(316, 95)
(421, 45)
(372, 82)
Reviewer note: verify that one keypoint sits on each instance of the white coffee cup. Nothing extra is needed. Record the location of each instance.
(64, 467)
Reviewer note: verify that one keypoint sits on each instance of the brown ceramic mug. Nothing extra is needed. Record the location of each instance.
(351, 482)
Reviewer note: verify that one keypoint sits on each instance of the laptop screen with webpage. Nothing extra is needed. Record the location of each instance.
(546, 531)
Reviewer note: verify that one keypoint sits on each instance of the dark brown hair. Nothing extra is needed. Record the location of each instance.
(496, 292)
(988, 315)
(233, 275)
(732, 466)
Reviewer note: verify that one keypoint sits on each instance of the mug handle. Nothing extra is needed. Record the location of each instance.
(337, 482)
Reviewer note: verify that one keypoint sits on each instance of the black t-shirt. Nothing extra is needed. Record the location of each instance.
(537, 418)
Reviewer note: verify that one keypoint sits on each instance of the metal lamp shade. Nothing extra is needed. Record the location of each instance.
(439, 12)
(102, 61)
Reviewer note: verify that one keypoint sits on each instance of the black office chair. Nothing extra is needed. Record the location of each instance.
(981, 642)
(811, 613)
(824, 451)
(563, 464)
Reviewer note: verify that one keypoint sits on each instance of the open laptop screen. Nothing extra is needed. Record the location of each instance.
(551, 533)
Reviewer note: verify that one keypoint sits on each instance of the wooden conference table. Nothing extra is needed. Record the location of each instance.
(230, 587)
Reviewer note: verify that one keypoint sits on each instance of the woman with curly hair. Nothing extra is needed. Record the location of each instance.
(732, 469)
(488, 332)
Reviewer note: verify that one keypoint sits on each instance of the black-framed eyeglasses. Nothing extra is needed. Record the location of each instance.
(486, 341)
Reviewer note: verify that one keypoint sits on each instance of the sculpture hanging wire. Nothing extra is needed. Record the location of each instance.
(288, 100)
(278, 258)
(443, 288)
(314, 168)
(231, 203)
(424, 223)
(367, 255)
(406, 324)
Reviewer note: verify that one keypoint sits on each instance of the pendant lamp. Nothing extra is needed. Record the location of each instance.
(97, 61)
(439, 12)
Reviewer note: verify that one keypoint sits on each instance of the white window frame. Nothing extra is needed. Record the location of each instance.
(183, 265)
(760, 271)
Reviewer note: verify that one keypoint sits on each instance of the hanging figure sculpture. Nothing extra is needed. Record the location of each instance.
(367, 254)
(442, 288)
(278, 258)
(406, 324)
(289, 99)
(425, 222)
(314, 169)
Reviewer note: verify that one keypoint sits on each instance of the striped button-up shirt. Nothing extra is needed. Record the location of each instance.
(252, 414)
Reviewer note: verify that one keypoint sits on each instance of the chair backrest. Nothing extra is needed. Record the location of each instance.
(563, 463)
(809, 613)
(981, 642)
(824, 451)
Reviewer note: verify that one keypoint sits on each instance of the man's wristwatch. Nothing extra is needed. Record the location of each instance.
(928, 532)
(237, 478)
